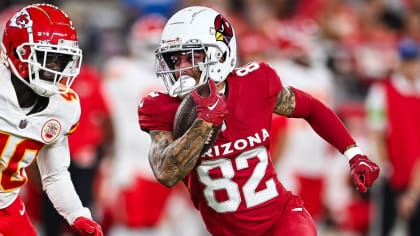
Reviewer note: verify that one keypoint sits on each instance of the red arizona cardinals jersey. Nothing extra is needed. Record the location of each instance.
(234, 185)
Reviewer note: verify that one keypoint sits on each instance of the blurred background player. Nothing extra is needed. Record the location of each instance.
(40, 60)
(394, 118)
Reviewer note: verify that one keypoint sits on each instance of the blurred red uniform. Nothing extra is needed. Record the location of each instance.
(91, 131)
(141, 200)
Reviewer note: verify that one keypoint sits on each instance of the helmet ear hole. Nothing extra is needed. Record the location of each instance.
(11, 47)
(20, 51)
(223, 58)
(16, 54)
(14, 50)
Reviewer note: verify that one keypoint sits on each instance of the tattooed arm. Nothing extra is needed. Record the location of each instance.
(294, 103)
(286, 102)
(172, 160)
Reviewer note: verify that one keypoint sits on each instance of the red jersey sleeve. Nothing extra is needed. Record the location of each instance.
(273, 80)
(261, 77)
(269, 82)
(322, 119)
(157, 111)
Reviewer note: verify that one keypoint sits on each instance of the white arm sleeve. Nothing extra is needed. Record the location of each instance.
(53, 162)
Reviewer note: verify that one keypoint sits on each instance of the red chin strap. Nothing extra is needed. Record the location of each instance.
(322, 119)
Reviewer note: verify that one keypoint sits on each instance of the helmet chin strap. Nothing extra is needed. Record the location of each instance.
(186, 83)
(182, 86)
(41, 92)
(39, 85)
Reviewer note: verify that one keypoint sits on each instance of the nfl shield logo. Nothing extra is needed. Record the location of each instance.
(23, 124)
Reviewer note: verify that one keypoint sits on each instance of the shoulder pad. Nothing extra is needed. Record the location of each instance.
(70, 96)
(70, 102)
(259, 76)
(157, 111)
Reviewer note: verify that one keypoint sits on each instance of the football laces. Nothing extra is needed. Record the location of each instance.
(209, 137)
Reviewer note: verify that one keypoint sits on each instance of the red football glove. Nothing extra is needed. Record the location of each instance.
(213, 108)
(86, 227)
(363, 172)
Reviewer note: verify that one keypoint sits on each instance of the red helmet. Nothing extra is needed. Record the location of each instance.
(145, 34)
(32, 36)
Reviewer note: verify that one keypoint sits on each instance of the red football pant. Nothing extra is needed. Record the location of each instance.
(294, 221)
(14, 220)
(144, 203)
(311, 191)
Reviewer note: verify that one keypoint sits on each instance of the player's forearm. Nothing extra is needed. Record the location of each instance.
(414, 184)
(61, 192)
(179, 157)
(378, 137)
(322, 119)
(53, 162)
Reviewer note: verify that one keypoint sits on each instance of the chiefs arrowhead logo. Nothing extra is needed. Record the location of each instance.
(21, 19)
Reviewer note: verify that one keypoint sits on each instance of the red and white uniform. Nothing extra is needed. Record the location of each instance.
(141, 198)
(23, 137)
(234, 185)
(391, 110)
(127, 80)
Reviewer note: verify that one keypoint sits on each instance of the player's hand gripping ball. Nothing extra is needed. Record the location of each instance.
(204, 103)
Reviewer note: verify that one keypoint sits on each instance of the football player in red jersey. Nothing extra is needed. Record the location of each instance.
(38, 110)
(233, 184)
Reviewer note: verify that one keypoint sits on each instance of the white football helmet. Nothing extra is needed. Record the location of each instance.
(190, 30)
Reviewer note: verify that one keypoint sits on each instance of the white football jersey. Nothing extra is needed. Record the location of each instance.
(127, 80)
(22, 136)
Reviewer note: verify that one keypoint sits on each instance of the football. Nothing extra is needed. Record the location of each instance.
(186, 115)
